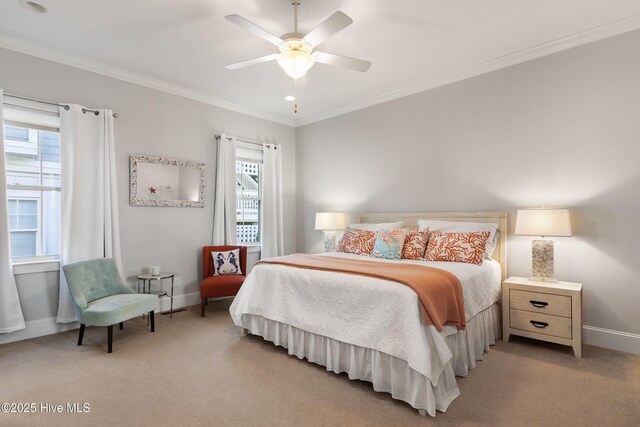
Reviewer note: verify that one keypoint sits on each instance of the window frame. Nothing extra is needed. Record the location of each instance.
(260, 162)
(16, 260)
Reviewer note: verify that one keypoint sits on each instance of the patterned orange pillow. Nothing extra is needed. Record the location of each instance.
(415, 244)
(457, 247)
(359, 242)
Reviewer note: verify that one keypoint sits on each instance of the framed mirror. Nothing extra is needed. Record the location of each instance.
(159, 181)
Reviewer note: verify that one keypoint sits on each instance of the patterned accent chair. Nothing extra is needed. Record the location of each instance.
(226, 285)
(103, 299)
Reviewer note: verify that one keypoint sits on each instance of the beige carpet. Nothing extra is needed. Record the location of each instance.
(195, 371)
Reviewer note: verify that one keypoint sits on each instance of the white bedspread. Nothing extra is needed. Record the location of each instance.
(363, 311)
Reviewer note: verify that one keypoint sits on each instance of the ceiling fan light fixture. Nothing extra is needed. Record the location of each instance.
(295, 58)
(295, 63)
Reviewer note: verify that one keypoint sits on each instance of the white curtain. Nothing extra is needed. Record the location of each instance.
(224, 209)
(11, 318)
(272, 212)
(90, 226)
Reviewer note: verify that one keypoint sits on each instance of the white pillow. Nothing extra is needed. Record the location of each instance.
(465, 227)
(379, 226)
(226, 262)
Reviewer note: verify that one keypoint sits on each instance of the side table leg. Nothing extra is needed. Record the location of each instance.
(171, 310)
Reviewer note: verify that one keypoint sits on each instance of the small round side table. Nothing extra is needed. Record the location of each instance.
(146, 286)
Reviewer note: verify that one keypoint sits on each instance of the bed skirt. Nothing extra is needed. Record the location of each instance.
(388, 373)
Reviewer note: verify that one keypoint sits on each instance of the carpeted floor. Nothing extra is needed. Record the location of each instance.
(195, 371)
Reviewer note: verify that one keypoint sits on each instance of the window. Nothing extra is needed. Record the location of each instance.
(248, 193)
(32, 154)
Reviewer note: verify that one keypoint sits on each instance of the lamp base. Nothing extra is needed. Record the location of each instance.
(330, 241)
(542, 261)
(543, 279)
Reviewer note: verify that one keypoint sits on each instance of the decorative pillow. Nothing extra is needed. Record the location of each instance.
(359, 242)
(463, 227)
(378, 226)
(389, 244)
(415, 243)
(457, 247)
(226, 262)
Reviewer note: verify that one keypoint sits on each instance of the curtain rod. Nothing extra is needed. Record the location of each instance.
(245, 140)
(65, 106)
(251, 142)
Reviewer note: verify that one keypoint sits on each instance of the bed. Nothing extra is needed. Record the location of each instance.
(370, 328)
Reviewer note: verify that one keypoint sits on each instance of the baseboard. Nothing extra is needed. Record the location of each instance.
(608, 338)
(48, 326)
(179, 301)
(38, 328)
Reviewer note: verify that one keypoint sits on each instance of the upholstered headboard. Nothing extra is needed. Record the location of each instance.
(411, 221)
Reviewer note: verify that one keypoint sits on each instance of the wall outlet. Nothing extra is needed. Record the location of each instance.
(177, 281)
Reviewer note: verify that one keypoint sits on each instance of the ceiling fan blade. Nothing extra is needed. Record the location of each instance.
(258, 31)
(327, 28)
(342, 61)
(253, 61)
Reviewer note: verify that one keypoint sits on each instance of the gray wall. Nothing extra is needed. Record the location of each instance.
(562, 130)
(155, 123)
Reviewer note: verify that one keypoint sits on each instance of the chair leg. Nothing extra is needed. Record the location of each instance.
(110, 338)
(121, 325)
(81, 334)
(152, 321)
(206, 301)
(203, 303)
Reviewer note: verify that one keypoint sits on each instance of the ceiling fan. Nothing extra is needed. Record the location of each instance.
(296, 49)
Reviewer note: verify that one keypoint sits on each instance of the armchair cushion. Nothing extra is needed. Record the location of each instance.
(221, 286)
(118, 308)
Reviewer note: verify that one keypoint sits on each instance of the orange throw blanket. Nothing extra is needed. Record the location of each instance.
(439, 291)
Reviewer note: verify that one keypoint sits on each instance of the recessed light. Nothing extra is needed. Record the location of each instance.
(32, 6)
(289, 98)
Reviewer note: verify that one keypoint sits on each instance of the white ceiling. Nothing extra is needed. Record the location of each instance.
(182, 46)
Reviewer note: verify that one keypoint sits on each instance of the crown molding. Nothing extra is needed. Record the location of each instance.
(589, 36)
(27, 48)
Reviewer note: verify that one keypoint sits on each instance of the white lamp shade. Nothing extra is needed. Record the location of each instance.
(543, 222)
(330, 221)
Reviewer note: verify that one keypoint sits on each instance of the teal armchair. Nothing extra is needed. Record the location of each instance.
(103, 299)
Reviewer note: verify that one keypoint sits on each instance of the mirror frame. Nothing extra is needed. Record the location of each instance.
(134, 160)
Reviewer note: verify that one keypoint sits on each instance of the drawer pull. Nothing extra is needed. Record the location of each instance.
(540, 325)
(539, 304)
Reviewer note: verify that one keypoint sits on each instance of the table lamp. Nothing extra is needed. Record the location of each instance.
(329, 222)
(543, 222)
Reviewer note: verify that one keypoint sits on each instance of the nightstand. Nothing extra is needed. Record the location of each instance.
(547, 311)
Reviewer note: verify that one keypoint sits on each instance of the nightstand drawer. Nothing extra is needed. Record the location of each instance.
(540, 323)
(557, 305)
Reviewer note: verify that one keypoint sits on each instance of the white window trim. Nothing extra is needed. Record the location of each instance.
(39, 266)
